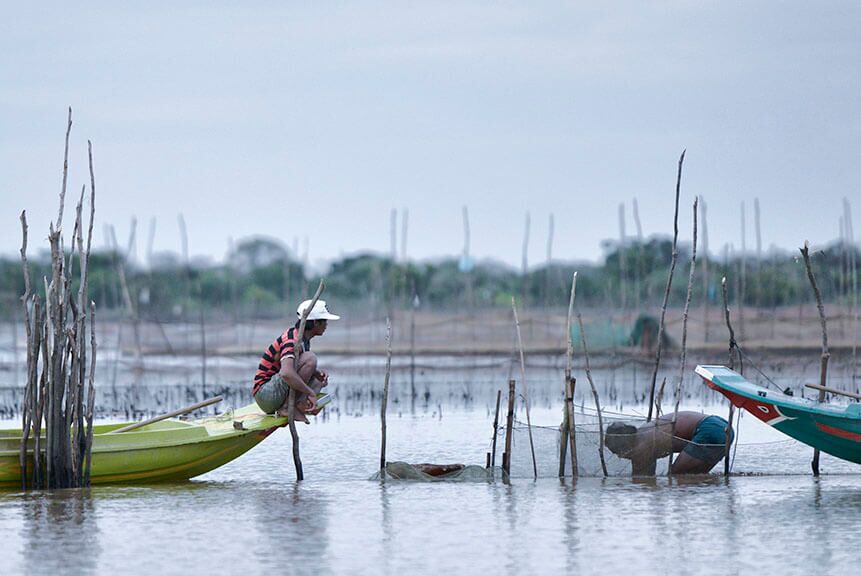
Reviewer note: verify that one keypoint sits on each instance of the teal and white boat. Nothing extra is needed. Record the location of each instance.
(834, 429)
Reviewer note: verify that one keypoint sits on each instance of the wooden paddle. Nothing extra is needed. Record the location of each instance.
(834, 391)
(179, 412)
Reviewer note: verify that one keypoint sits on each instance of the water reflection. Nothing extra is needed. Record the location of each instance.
(61, 532)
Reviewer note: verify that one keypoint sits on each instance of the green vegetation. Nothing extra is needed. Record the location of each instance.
(260, 276)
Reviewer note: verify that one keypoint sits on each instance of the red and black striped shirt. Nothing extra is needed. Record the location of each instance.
(270, 364)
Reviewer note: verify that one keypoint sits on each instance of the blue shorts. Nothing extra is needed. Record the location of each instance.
(709, 440)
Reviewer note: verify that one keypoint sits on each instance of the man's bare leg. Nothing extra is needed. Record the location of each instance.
(306, 370)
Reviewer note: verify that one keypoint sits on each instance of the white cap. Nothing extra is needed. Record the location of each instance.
(318, 312)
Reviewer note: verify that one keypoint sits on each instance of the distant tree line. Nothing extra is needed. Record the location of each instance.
(260, 277)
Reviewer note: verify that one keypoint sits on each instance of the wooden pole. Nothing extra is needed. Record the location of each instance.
(853, 301)
(594, 395)
(705, 260)
(639, 274)
(823, 365)
(291, 400)
(742, 292)
(466, 264)
(667, 291)
(685, 331)
(623, 272)
(173, 414)
(733, 352)
(509, 430)
(547, 267)
(568, 419)
(495, 429)
(525, 387)
(834, 391)
(524, 265)
(385, 401)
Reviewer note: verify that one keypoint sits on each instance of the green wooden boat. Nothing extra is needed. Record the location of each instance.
(168, 450)
(835, 429)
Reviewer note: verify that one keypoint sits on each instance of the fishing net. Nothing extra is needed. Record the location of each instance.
(618, 428)
(405, 471)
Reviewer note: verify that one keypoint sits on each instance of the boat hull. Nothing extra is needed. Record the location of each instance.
(166, 451)
(835, 430)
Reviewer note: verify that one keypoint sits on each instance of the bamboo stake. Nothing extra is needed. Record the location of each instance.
(669, 286)
(705, 270)
(638, 276)
(823, 367)
(853, 302)
(91, 394)
(525, 387)
(300, 335)
(685, 331)
(524, 270)
(509, 429)
(550, 231)
(733, 351)
(385, 401)
(466, 264)
(173, 414)
(495, 430)
(594, 395)
(569, 385)
(119, 263)
(30, 387)
(742, 293)
(622, 267)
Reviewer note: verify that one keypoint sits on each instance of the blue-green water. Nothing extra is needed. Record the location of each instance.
(251, 516)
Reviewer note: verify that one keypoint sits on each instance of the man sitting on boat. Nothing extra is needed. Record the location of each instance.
(277, 373)
(699, 439)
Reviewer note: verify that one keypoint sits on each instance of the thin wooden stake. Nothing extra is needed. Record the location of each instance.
(495, 430)
(733, 352)
(525, 387)
(823, 365)
(291, 398)
(568, 420)
(685, 331)
(667, 292)
(385, 401)
(509, 430)
(594, 395)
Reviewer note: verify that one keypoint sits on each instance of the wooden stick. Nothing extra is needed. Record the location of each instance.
(525, 387)
(685, 331)
(495, 429)
(622, 268)
(524, 269)
(291, 397)
(179, 412)
(570, 383)
(834, 391)
(569, 410)
(733, 351)
(509, 429)
(594, 395)
(466, 262)
(667, 291)
(823, 365)
(705, 270)
(385, 401)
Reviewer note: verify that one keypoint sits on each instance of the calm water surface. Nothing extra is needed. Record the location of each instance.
(251, 516)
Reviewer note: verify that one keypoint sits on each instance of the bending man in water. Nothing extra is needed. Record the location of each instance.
(699, 439)
(277, 373)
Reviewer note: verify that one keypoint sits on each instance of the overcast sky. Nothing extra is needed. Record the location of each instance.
(314, 120)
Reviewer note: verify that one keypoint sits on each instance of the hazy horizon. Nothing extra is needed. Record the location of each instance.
(245, 118)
